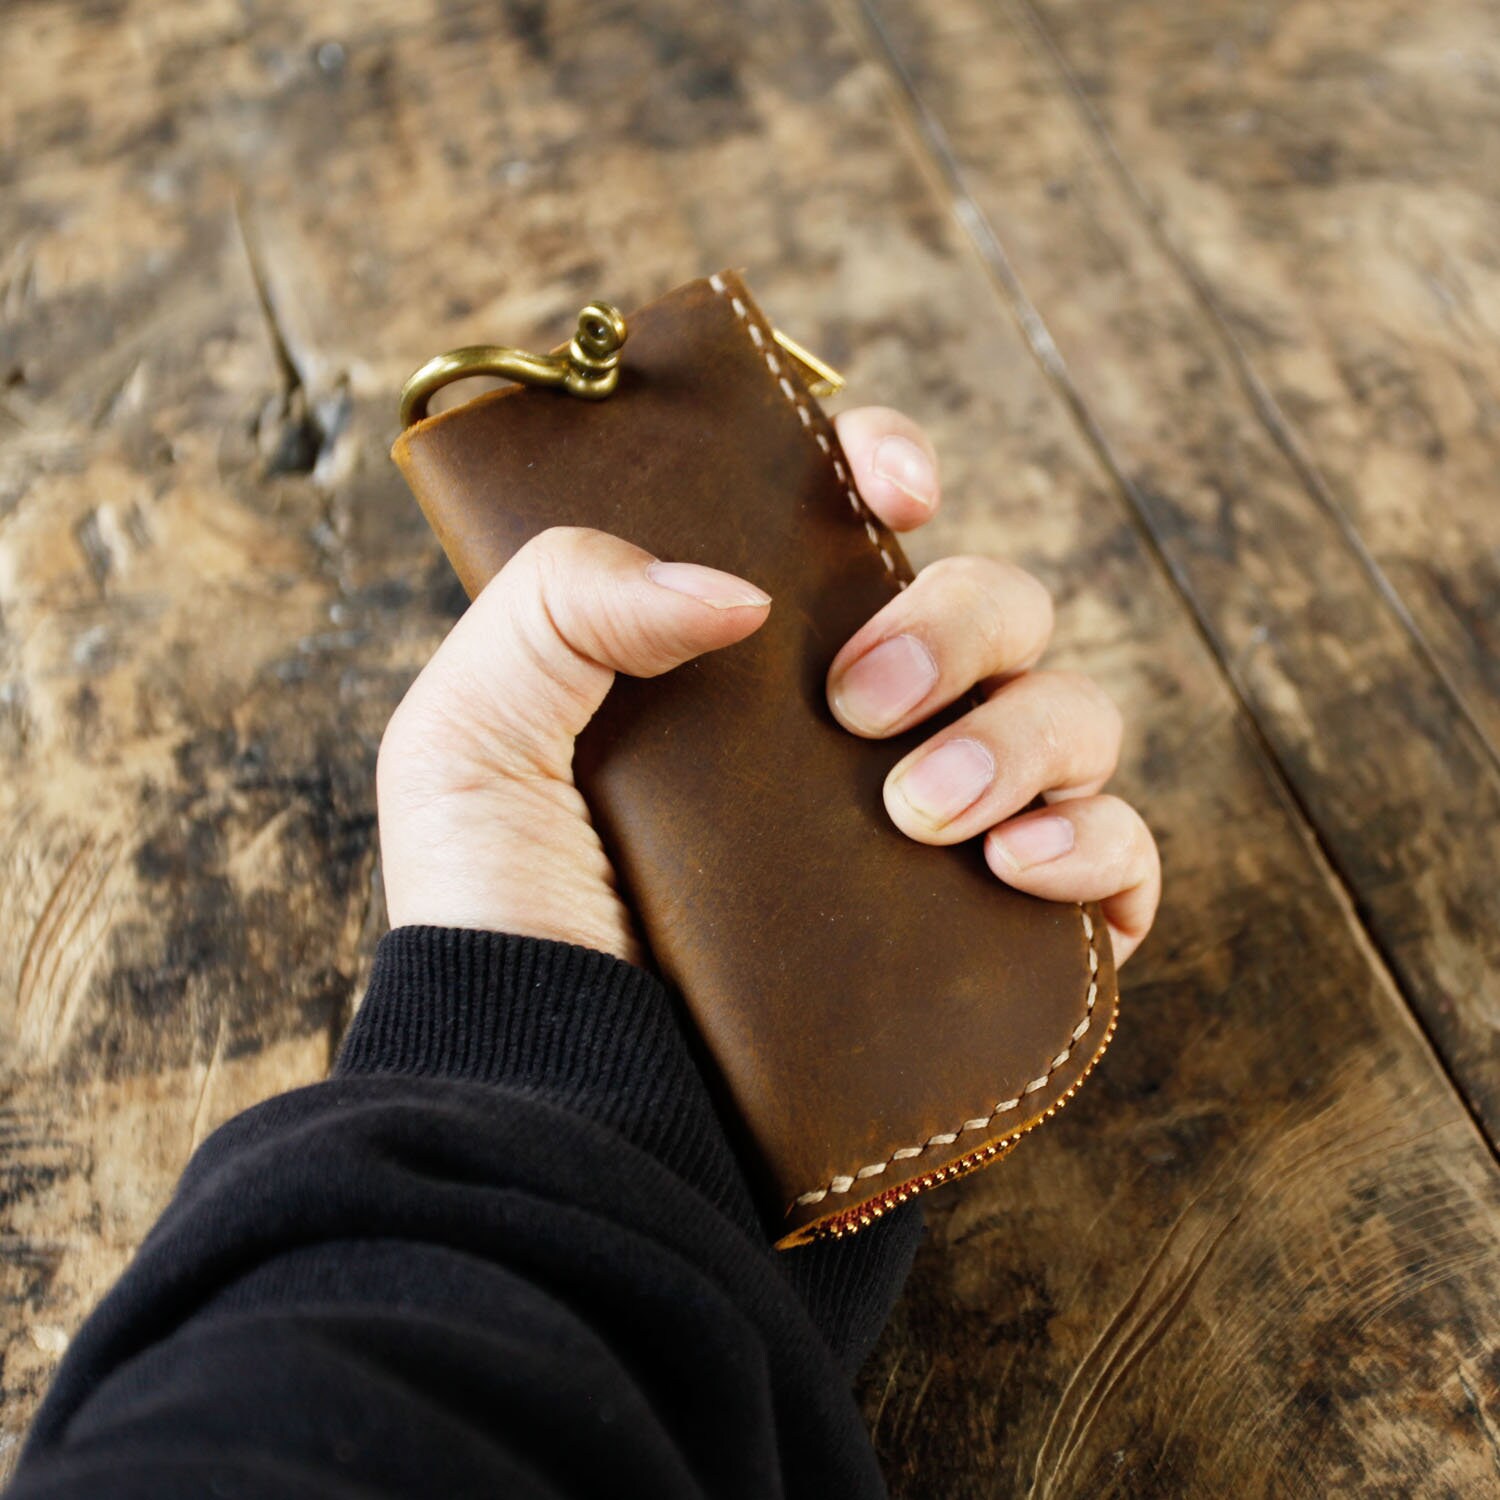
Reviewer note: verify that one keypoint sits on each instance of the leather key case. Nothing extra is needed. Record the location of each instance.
(883, 1015)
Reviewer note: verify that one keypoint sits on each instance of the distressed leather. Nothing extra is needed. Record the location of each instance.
(881, 1014)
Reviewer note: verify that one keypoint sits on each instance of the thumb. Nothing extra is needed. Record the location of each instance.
(537, 650)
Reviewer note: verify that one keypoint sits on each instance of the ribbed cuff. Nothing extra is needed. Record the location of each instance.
(582, 1028)
(601, 1037)
(492, 1007)
(849, 1286)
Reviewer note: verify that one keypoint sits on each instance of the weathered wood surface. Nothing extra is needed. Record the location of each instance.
(1259, 1254)
(1326, 177)
(1386, 754)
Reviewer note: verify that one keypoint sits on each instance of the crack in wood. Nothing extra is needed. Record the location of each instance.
(868, 28)
(300, 436)
(1265, 406)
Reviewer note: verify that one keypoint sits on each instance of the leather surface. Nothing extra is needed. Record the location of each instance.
(877, 1010)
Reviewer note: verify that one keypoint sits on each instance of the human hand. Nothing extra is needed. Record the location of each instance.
(480, 822)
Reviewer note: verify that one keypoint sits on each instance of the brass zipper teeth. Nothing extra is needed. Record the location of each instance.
(852, 1220)
(855, 1219)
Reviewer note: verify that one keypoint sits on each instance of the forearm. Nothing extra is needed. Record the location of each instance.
(506, 1243)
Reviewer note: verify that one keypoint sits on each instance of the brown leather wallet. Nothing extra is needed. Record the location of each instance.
(883, 1015)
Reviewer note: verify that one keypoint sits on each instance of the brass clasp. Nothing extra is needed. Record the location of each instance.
(823, 380)
(589, 367)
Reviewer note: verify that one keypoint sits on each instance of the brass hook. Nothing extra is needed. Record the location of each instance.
(823, 379)
(589, 367)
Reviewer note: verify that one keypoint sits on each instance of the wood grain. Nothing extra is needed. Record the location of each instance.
(1328, 191)
(1256, 1256)
(1380, 749)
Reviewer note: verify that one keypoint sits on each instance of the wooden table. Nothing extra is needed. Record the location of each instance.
(1201, 302)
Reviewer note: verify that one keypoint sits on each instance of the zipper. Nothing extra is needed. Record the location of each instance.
(862, 1215)
(852, 1220)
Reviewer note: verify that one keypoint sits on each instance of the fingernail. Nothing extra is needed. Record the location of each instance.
(906, 466)
(884, 683)
(721, 590)
(947, 780)
(1033, 842)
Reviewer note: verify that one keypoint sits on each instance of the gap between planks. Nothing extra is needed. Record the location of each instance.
(1267, 410)
(937, 159)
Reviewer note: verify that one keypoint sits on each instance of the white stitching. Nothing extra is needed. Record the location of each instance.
(842, 1184)
(980, 1122)
(742, 312)
(996, 1148)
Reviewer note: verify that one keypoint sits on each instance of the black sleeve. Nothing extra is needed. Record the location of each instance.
(506, 1249)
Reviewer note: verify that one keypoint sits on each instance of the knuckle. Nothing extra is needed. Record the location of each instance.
(1074, 726)
(560, 554)
(1010, 609)
(1096, 704)
(1131, 845)
(1025, 592)
(966, 573)
(560, 541)
(546, 549)
(1053, 736)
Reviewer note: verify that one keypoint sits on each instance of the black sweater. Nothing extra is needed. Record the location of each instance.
(506, 1249)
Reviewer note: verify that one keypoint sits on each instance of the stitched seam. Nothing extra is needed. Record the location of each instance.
(767, 347)
(997, 1150)
(843, 1183)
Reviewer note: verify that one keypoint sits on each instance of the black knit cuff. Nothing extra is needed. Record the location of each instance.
(602, 1037)
(583, 1029)
(493, 1007)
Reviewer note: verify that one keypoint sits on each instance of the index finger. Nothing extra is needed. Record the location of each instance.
(894, 464)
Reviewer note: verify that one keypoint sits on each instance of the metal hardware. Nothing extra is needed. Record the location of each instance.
(589, 367)
(852, 1220)
(826, 380)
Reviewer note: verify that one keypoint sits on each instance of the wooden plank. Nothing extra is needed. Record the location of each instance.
(1395, 779)
(1326, 180)
(1263, 1240)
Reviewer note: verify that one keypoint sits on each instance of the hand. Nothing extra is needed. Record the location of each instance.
(481, 825)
